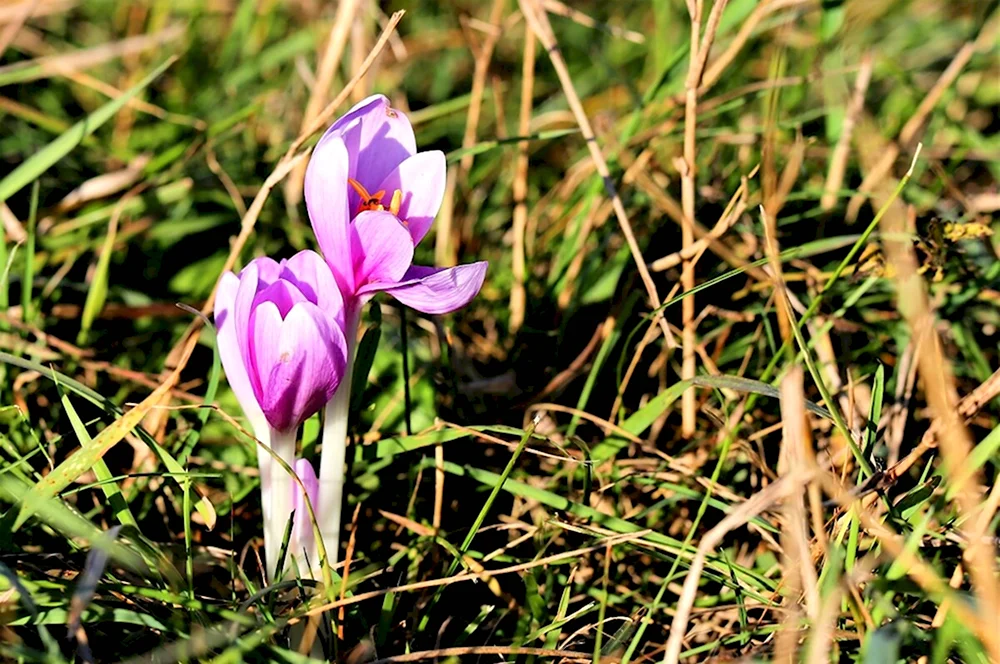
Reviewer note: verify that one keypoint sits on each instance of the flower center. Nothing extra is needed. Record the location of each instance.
(374, 201)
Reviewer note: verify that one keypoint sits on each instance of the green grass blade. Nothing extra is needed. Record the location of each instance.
(203, 506)
(110, 488)
(51, 646)
(214, 375)
(595, 369)
(60, 517)
(557, 502)
(40, 162)
(467, 542)
(875, 411)
(470, 536)
(6, 261)
(84, 458)
(28, 276)
(97, 294)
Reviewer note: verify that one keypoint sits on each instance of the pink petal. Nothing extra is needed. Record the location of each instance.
(326, 202)
(299, 361)
(421, 179)
(304, 469)
(380, 139)
(303, 532)
(310, 273)
(436, 290)
(382, 247)
(268, 270)
(230, 351)
(283, 294)
(263, 352)
(242, 308)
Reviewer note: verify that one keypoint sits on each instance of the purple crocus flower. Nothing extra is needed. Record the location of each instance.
(371, 198)
(282, 344)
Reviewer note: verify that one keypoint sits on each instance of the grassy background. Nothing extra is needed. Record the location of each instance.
(631, 513)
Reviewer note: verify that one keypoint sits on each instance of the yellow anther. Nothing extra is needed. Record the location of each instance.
(397, 199)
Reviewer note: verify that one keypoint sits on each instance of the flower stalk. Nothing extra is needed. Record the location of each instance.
(276, 487)
(284, 351)
(333, 458)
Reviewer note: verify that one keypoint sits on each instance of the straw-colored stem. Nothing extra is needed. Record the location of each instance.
(333, 459)
(518, 295)
(688, 335)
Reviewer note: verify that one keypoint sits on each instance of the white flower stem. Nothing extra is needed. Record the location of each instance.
(276, 486)
(264, 463)
(333, 459)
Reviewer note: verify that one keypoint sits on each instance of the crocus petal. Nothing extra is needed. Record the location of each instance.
(229, 346)
(255, 277)
(283, 294)
(303, 531)
(304, 469)
(434, 290)
(268, 270)
(310, 273)
(263, 351)
(421, 179)
(383, 249)
(242, 308)
(300, 362)
(379, 138)
(326, 201)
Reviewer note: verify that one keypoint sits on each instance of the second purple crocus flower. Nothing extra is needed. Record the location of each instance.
(282, 344)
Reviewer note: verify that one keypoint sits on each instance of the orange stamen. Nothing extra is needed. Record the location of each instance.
(360, 188)
(374, 201)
